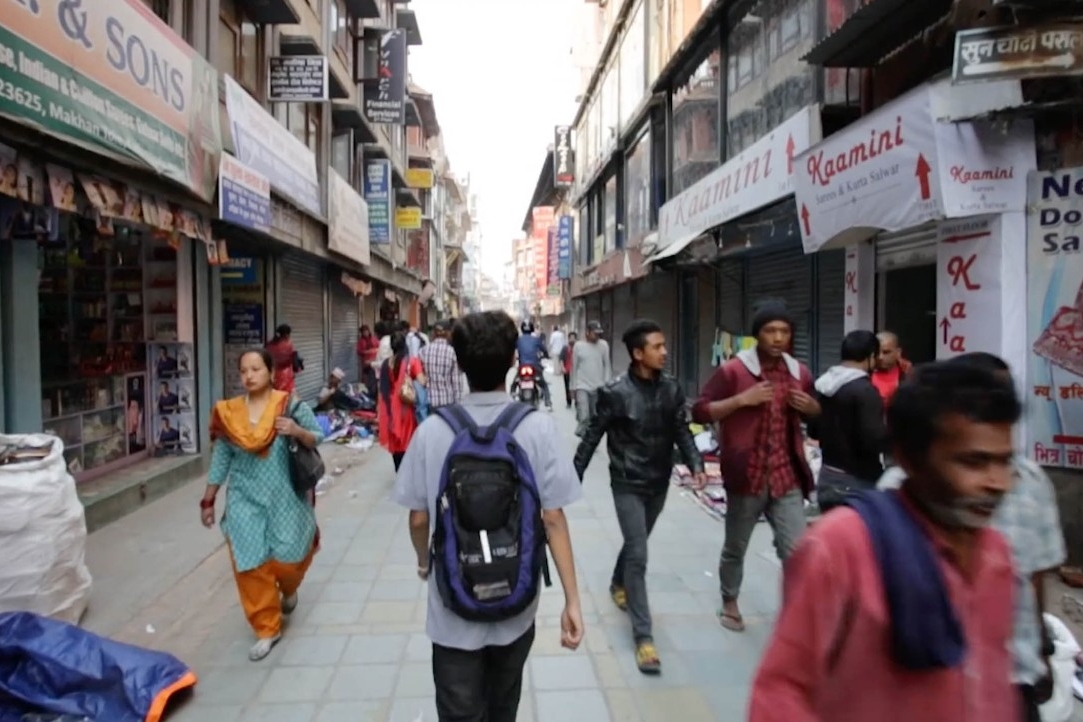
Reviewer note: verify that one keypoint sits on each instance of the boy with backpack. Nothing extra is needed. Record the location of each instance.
(486, 483)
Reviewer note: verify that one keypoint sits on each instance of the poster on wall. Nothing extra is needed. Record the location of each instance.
(1054, 394)
(968, 287)
(173, 400)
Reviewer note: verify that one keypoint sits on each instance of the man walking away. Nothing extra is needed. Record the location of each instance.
(850, 428)
(760, 398)
(643, 414)
(892, 368)
(900, 607)
(441, 368)
(529, 351)
(557, 343)
(591, 369)
(478, 665)
(565, 361)
(1030, 521)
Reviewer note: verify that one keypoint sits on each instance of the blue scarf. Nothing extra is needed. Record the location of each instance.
(925, 631)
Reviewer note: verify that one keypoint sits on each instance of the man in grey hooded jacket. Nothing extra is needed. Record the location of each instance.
(850, 428)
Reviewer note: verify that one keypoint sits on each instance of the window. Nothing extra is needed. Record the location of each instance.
(633, 78)
(597, 244)
(302, 120)
(611, 240)
(342, 29)
(239, 46)
(582, 235)
(637, 192)
(695, 125)
(341, 154)
(161, 8)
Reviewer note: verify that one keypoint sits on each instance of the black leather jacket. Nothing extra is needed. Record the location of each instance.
(642, 421)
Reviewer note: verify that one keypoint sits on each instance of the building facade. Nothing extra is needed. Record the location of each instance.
(152, 230)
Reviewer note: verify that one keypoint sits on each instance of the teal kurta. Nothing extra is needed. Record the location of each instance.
(264, 518)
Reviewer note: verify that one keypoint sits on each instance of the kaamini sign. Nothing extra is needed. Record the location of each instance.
(898, 167)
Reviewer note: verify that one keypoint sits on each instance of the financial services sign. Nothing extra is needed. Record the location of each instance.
(112, 77)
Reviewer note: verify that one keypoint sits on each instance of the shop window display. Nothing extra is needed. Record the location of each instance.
(695, 125)
(637, 192)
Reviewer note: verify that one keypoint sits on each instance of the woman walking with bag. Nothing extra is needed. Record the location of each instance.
(398, 397)
(269, 526)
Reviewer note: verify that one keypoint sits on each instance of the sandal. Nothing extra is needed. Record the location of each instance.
(647, 658)
(619, 595)
(732, 622)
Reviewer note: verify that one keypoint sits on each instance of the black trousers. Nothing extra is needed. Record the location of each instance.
(568, 388)
(483, 685)
(397, 459)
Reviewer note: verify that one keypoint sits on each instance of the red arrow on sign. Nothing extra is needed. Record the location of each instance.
(966, 237)
(790, 148)
(922, 172)
(945, 326)
(804, 219)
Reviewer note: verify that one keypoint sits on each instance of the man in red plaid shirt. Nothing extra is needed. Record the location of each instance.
(445, 380)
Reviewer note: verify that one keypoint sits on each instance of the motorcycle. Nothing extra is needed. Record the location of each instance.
(527, 385)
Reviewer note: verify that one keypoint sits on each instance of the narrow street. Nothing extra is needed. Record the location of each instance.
(356, 650)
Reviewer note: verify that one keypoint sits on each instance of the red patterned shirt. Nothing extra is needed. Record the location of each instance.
(770, 466)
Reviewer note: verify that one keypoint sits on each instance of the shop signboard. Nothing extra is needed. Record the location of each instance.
(240, 271)
(1015, 51)
(244, 195)
(112, 77)
(898, 168)
(563, 157)
(385, 98)
(348, 230)
(564, 246)
(408, 218)
(759, 176)
(968, 287)
(553, 276)
(263, 144)
(1054, 389)
(298, 79)
(377, 192)
(542, 218)
(419, 178)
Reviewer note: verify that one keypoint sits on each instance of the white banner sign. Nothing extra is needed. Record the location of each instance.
(968, 287)
(897, 168)
(759, 176)
(348, 231)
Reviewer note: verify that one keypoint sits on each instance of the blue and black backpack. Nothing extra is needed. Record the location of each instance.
(488, 544)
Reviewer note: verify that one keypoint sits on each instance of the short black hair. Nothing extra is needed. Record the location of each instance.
(268, 359)
(484, 345)
(859, 346)
(936, 390)
(981, 359)
(635, 336)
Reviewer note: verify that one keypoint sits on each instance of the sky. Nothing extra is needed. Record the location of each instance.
(501, 76)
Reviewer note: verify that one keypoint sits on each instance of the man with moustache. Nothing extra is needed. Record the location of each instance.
(899, 608)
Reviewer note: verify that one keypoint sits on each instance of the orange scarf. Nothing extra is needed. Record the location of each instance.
(230, 421)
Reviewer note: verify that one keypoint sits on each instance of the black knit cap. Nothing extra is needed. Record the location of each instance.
(768, 313)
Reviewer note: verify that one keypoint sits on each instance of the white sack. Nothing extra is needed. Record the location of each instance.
(1060, 706)
(42, 535)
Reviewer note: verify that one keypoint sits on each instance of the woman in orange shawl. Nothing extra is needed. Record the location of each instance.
(284, 356)
(271, 531)
(397, 420)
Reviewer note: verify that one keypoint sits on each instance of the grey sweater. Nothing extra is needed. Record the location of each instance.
(591, 367)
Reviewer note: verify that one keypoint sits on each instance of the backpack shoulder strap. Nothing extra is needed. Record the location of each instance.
(509, 419)
(457, 418)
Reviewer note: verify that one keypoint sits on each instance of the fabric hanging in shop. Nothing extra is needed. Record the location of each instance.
(623, 315)
(785, 276)
(301, 305)
(731, 298)
(905, 249)
(830, 308)
(344, 324)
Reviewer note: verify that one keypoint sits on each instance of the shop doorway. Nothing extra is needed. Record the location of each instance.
(908, 308)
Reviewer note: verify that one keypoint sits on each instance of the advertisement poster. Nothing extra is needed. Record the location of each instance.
(385, 100)
(968, 287)
(564, 246)
(244, 195)
(377, 192)
(173, 399)
(1054, 394)
(554, 263)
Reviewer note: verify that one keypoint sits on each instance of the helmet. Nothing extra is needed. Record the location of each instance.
(527, 327)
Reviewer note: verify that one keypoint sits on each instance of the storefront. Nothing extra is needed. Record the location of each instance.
(300, 304)
(931, 215)
(247, 296)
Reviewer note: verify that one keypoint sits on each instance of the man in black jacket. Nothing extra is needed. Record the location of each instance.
(643, 415)
(851, 427)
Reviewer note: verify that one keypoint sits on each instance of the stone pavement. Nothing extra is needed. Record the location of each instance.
(355, 649)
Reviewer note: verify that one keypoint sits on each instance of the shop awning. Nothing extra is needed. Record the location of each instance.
(363, 9)
(407, 20)
(307, 45)
(901, 166)
(674, 248)
(348, 115)
(874, 31)
(407, 197)
(270, 12)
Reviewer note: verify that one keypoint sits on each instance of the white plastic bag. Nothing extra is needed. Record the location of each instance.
(42, 535)
(1060, 706)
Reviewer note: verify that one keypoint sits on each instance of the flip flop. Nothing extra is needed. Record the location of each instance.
(732, 622)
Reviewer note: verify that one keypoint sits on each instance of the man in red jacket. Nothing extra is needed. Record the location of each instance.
(759, 398)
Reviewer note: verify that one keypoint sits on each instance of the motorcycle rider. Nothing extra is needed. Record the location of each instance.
(529, 351)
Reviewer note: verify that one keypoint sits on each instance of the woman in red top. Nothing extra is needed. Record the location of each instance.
(285, 358)
(397, 420)
(367, 346)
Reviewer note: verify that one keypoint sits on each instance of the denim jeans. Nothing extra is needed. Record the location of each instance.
(482, 685)
(636, 514)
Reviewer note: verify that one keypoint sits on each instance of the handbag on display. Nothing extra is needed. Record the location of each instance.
(306, 464)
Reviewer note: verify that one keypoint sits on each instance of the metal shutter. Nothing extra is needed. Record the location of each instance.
(903, 249)
(606, 317)
(830, 307)
(593, 304)
(731, 296)
(656, 299)
(344, 324)
(784, 276)
(300, 304)
(623, 315)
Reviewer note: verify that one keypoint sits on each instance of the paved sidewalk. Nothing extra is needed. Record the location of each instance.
(356, 650)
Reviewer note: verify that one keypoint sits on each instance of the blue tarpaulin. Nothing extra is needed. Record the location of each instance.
(54, 667)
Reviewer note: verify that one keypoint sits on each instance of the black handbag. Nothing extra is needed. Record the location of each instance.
(306, 465)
